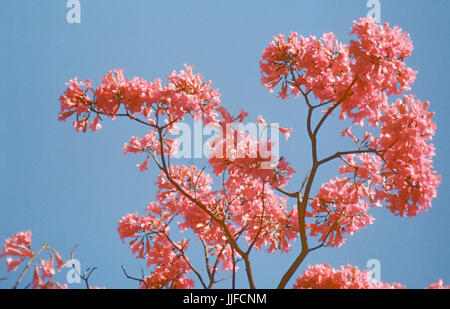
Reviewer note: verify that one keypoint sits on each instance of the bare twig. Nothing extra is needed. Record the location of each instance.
(134, 278)
(86, 274)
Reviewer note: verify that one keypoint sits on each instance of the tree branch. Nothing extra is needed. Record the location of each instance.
(287, 193)
(343, 153)
(134, 278)
(181, 250)
(221, 222)
(28, 265)
(333, 107)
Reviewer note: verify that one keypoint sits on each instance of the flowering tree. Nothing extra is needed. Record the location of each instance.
(241, 205)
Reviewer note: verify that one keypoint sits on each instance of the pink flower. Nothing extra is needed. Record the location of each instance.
(260, 120)
(74, 99)
(438, 285)
(323, 276)
(143, 166)
(285, 132)
(95, 126)
(47, 269)
(242, 115)
(341, 207)
(18, 245)
(59, 261)
(410, 182)
(348, 132)
(36, 278)
(128, 226)
(12, 264)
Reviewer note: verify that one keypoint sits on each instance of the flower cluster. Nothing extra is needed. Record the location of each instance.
(150, 240)
(306, 64)
(359, 77)
(18, 246)
(438, 285)
(394, 168)
(399, 174)
(243, 154)
(184, 94)
(323, 276)
(409, 180)
(17, 250)
(254, 207)
(378, 67)
(339, 208)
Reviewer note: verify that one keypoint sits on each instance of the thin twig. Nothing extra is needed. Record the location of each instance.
(86, 274)
(28, 265)
(181, 250)
(287, 193)
(134, 278)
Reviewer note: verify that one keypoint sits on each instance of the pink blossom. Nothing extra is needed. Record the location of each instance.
(59, 261)
(47, 268)
(438, 285)
(12, 264)
(285, 132)
(128, 226)
(323, 276)
(18, 245)
(242, 115)
(348, 132)
(143, 166)
(409, 180)
(36, 278)
(95, 126)
(260, 120)
(341, 209)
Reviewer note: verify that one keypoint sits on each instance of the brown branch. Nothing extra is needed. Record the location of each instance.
(206, 254)
(233, 280)
(303, 200)
(28, 265)
(134, 278)
(183, 255)
(216, 264)
(343, 153)
(301, 206)
(287, 193)
(333, 107)
(261, 223)
(329, 232)
(86, 274)
(221, 222)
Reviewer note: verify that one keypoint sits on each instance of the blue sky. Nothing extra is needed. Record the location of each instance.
(72, 188)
